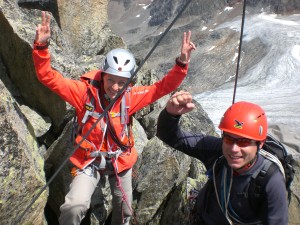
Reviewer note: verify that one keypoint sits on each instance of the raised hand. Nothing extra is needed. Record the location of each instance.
(180, 103)
(186, 48)
(43, 32)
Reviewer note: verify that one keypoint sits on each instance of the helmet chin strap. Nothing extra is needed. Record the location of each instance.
(258, 147)
(103, 93)
(246, 167)
(107, 98)
(250, 164)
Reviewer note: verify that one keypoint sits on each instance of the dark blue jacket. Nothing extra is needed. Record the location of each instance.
(272, 211)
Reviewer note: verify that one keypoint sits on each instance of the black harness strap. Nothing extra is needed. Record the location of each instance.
(257, 184)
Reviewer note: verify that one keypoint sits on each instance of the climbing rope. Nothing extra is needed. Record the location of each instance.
(239, 51)
(105, 111)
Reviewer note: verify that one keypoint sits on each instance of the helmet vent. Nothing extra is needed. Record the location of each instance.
(260, 130)
(127, 61)
(119, 62)
(116, 59)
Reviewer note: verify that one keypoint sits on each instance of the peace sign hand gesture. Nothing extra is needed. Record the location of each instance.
(43, 32)
(186, 48)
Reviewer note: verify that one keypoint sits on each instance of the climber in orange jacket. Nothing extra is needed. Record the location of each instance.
(109, 148)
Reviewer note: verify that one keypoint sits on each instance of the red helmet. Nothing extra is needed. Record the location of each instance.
(245, 119)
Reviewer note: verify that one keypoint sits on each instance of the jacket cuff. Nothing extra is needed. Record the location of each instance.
(180, 63)
(170, 115)
(41, 46)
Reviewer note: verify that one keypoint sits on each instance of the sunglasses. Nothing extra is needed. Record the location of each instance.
(241, 142)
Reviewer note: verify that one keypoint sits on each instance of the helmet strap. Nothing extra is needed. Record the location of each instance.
(258, 147)
(103, 94)
(107, 98)
(246, 167)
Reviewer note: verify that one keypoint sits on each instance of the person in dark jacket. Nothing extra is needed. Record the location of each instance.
(231, 160)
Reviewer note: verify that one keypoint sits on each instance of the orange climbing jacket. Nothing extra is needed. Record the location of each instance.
(79, 93)
(114, 129)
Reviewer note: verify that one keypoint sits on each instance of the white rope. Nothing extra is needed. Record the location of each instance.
(274, 159)
(216, 192)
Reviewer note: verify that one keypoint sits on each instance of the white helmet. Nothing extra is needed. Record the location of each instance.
(119, 62)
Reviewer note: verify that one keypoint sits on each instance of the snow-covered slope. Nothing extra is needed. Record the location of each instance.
(269, 72)
(274, 82)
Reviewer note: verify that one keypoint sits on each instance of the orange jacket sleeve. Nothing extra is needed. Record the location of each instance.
(73, 90)
(69, 90)
(142, 96)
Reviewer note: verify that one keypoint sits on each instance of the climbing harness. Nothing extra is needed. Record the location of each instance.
(87, 149)
(104, 112)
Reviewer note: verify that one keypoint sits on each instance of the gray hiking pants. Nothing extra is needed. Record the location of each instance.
(78, 199)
